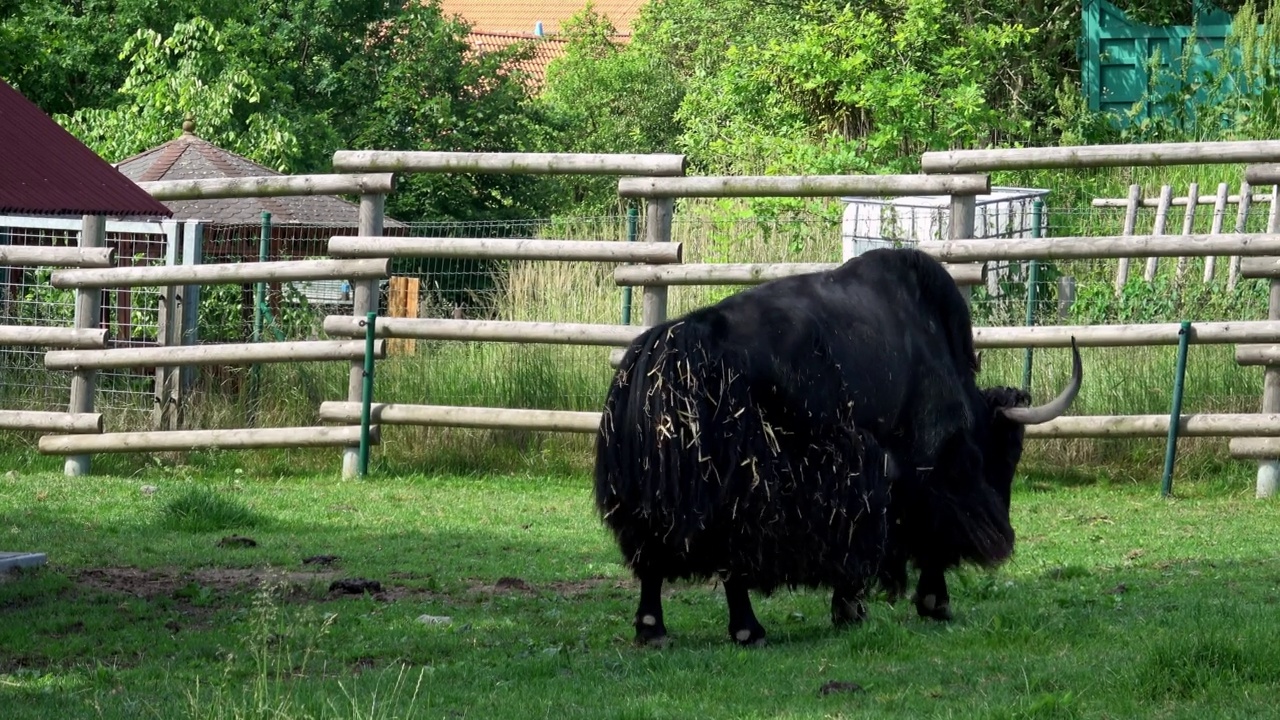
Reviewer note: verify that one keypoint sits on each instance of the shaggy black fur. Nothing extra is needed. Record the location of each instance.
(705, 468)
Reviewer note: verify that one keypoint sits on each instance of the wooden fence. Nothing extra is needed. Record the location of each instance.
(654, 264)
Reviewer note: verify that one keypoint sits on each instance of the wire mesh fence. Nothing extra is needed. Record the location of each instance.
(29, 299)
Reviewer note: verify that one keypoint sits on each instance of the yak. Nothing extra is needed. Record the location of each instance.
(822, 430)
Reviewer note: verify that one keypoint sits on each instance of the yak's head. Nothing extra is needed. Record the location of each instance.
(1009, 416)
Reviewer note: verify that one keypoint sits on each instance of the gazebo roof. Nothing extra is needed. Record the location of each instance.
(48, 171)
(190, 157)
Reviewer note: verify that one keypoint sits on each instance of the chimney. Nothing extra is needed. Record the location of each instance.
(537, 28)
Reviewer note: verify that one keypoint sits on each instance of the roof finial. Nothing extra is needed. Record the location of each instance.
(188, 125)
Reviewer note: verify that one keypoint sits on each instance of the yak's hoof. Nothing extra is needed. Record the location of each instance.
(844, 614)
(749, 637)
(928, 607)
(651, 632)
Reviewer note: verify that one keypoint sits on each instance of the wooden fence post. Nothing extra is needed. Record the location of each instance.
(1269, 470)
(93, 234)
(961, 226)
(364, 298)
(657, 228)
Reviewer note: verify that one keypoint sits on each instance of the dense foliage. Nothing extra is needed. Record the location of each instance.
(739, 86)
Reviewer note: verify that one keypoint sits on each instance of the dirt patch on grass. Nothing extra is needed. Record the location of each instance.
(563, 588)
(204, 584)
(167, 582)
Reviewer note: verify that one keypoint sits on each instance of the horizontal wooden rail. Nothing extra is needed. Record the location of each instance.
(1178, 201)
(804, 186)
(1157, 426)
(228, 273)
(1116, 246)
(46, 256)
(1262, 174)
(349, 246)
(1258, 355)
(53, 337)
(487, 330)
(511, 163)
(222, 354)
(180, 440)
(1093, 156)
(1254, 448)
(1260, 267)
(753, 273)
(1059, 336)
(469, 417)
(270, 186)
(58, 422)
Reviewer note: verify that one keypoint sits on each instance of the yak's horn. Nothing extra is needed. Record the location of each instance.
(1055, 407)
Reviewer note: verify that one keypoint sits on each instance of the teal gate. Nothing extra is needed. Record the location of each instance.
(1116, 63)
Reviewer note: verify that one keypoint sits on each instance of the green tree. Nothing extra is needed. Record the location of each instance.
(433, 93)
(608, 98)
(193, 70)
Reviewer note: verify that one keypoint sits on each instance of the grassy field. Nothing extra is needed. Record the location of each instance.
(1117, 604)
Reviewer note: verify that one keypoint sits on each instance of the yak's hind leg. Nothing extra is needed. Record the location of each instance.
(848, 605)
(932, 599)
(650, 629)
(744, 628)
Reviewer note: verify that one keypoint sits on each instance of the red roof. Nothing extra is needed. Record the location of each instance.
(545, 49)
(45, 170)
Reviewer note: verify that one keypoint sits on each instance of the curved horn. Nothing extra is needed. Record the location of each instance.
(1055, 407)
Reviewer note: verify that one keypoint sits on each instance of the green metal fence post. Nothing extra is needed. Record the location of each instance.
(366, 394)
(259, 302)
(1033, 278)
(632, 223)
(1175, 415)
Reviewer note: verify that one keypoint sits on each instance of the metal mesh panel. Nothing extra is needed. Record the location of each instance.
(29, 299)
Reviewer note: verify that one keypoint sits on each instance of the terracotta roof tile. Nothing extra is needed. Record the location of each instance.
(503, 16)
(545, 50)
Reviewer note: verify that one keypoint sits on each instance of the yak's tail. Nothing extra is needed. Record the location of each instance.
(658, 458)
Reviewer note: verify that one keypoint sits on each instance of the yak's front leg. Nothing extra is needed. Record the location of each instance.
(931, 598)
(743, 626)
(650, 629)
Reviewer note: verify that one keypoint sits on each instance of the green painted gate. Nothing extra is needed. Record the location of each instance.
(1117, 54)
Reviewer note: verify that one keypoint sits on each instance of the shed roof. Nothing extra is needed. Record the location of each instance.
(189, 157)
(45, 170)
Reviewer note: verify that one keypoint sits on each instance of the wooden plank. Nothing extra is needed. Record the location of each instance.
(270, 186)
(1255, 448)
(751, 273)
(803, 186)
(186, 440)
(58, 337)
(223, 274)
(222, 354)
(347, 246)
(488, 330)
(46, 256)
(1095, 156)
(510, 163)
(402, 302)
(58, 422)
(469, 417)
(1114, 246)
(1157, 426)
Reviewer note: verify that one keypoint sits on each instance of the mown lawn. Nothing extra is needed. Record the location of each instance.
(1119, 604)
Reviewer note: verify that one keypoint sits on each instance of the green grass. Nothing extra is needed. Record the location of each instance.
(1117, 604)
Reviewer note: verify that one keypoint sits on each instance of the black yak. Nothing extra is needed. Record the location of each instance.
(821, 429)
